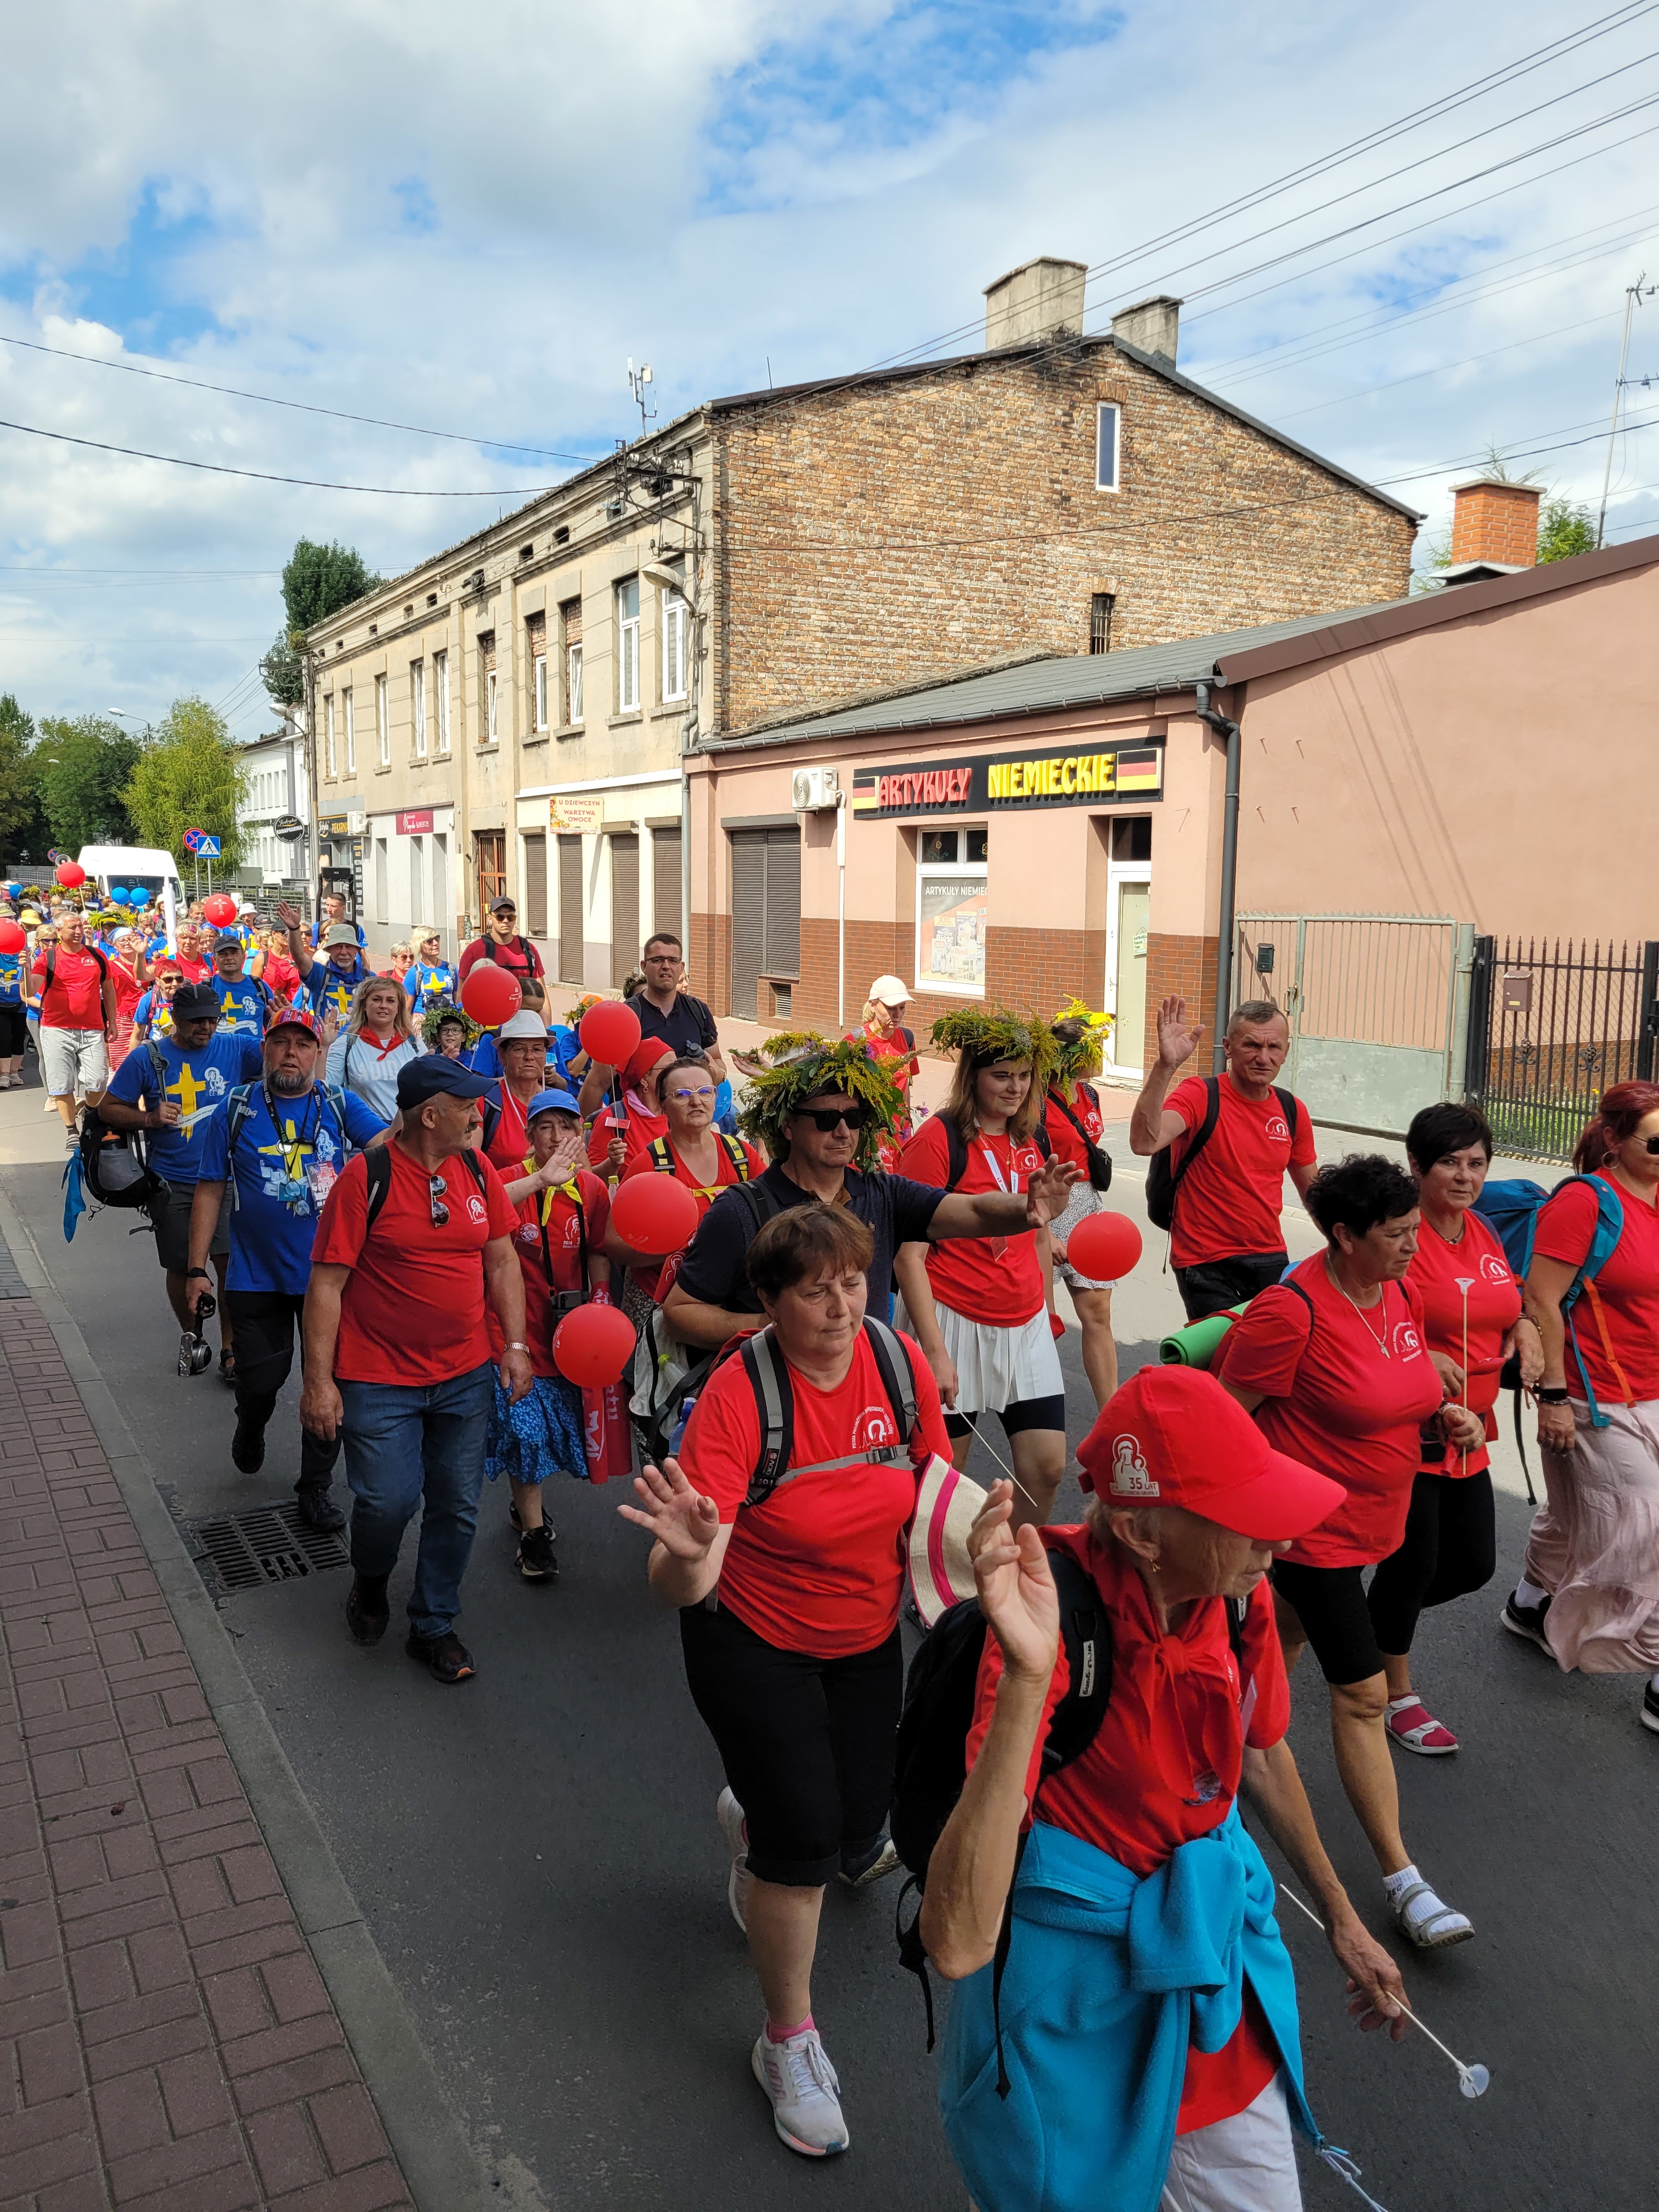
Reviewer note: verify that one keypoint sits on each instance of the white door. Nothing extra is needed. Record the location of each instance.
(1128, 912)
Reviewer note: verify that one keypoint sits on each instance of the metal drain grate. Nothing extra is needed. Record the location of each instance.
(267, 1544)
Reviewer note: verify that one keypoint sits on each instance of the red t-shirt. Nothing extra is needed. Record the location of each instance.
(990, 1278)
(193, 971)
(128, 989)
(649, 1278)
(1066, 1145)
(1627, 1286)
(819, 1567)
(281, 974)
(1336, 1403)
(639, 1131)
(1165, 1766)
(898, 1047)
(506, 1148)
(1436, 1268)
(412, 1310)
(75, 999)
(1231, 1200)
(518, 956)
(557, 1211)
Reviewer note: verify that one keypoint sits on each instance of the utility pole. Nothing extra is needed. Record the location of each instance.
(1633, 296)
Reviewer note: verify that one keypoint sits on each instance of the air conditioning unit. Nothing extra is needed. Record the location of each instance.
(815, 788)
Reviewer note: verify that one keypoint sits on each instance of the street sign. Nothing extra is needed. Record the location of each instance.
(288, 825)
(206, 847)
(192, 841)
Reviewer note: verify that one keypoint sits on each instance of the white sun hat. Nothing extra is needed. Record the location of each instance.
(889, 991)
(947, 1505)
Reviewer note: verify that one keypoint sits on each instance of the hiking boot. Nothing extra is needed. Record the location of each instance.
(444, 1657)
(365, 1608)
(534, 1558)
(317, 1508)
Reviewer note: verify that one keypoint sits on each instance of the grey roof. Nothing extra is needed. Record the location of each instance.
(1035, 687)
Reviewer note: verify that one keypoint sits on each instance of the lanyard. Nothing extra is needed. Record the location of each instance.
(1011, 1188)
(565, 1190)
(522, 1112)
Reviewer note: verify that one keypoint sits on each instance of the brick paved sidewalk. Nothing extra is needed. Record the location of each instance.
(166, 2040)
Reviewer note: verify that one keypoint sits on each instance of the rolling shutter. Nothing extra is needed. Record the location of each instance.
(535, 884)
(570, 909)
(783, 903)
(625, 907)
(665, 880)
(765, 912)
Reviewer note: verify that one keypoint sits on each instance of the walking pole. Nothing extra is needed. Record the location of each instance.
(1465, 1283)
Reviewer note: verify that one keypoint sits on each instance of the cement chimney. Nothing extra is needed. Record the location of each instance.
(1494, 527)
(1041, 299)
(1152, 327)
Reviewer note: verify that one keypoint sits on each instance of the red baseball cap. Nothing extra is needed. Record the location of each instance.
(1172, 1436)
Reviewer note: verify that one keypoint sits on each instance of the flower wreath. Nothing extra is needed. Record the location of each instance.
(801, 1065)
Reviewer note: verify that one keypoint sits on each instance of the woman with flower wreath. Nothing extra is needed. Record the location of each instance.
(1070, 1115)
(979, 1307)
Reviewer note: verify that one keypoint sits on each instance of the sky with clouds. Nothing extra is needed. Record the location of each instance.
(470, 223)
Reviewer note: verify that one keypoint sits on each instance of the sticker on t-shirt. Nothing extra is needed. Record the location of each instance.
(319, 1180)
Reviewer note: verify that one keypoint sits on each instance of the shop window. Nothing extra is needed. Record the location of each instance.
(951, 906)
(1100, 623)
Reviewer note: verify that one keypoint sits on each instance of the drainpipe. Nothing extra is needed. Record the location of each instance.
(1224, 727)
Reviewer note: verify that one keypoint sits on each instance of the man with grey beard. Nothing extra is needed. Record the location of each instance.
(280, 1143)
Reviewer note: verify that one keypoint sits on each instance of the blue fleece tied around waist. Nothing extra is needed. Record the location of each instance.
(1107, 1978)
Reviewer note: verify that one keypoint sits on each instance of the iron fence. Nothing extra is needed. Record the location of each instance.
(1551, 1024)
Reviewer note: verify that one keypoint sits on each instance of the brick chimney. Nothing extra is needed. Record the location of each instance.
(1041, 299)
(1495, 525)
(1151, 326)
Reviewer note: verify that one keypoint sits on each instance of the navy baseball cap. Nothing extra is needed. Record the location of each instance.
(423, 1079)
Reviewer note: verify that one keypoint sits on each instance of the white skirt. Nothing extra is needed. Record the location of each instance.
(997, 1367)
(1084, 1200)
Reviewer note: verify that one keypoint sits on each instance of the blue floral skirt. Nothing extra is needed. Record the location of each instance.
(542, 1434)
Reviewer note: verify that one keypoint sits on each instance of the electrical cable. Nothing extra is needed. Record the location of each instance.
(266, 475)
(1445, 367)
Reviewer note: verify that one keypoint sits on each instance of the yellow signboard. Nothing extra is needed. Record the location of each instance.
(578, 813)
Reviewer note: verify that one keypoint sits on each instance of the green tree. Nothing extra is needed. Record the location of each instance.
(1564, 530)
(190, 778)
(316, 582)
(22, 822)
(81, 767)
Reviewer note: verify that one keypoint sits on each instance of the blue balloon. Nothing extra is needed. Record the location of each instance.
(119, 898)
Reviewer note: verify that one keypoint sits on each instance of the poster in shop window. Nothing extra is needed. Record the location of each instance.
(950, 935)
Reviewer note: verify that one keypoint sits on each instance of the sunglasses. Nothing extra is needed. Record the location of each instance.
(685, 1097)
(1650, 1145)
(827, 1119)
(435, 1188)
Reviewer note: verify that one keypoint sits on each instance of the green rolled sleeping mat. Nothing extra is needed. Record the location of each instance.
(1197, 1344)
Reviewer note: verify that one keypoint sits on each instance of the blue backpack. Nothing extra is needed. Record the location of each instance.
(1511, 1209)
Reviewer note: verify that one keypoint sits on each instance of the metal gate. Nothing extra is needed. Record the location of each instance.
(1376, 1005)
(1551, 1025)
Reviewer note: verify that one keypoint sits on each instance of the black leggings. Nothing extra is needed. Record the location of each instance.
(263, 1324)
(807, 1744)
(1024, 1413)
(13, 1032)
(1449, 1549)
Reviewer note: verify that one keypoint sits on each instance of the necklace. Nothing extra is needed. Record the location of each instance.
(1380, 1337)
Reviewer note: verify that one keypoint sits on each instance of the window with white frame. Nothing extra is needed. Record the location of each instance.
(351, 733)
(441, 686)
(328, 736)
(674, 616)
(574, 682)
(1109, 427)
(491, 696)
(417, 705)
(952, 901)
(540, 671)
(628, 646)
(383, 720)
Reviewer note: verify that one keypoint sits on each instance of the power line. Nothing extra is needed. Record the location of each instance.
(265, 476)
(301, 406)
(1445, 367)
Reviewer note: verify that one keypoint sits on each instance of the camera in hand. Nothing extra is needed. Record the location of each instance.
(195, 1356)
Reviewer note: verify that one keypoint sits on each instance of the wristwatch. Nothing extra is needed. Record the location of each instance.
(1547, 1396)
(516, 1348)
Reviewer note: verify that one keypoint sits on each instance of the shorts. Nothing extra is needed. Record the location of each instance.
(1084, 1200)
(1330, 1603)
(1211, 1285)
(998, 1370)
(170, 1211)
(13, 1032)
(1244, 2164)
(72, 1060)
(807, 1744)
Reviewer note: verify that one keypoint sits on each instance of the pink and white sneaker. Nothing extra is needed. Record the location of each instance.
(1413, 1728)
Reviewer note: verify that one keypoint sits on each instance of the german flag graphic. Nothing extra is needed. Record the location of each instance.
(1140, 771)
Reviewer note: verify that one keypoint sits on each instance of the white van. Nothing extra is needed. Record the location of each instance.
(141, 868)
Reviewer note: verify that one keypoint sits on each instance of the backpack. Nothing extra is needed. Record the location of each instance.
(115, 1163)
(241, 1105)
(532, 959)
(1163, 1179)
(378, 1164)
(931, 1759)
(1099, 1164)
(51, 966)
(955, 1151)
(1510, 1208)
(768, 1377)
(662, 1159)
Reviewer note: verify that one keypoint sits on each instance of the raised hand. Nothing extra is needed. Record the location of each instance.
(1047, 1191)
(568, 1153)
(683, 1521)
(1176, 1040)
(289, 915)
(1017, 1593)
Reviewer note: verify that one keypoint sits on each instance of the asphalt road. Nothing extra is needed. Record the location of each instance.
(537, 1856)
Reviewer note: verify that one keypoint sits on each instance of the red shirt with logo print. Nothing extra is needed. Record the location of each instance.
(1346, 1391)
(412, 1310)
(993, 1279)
(1231, 1198)
(1494, 1308)
(548, 1240)
(819, 1567)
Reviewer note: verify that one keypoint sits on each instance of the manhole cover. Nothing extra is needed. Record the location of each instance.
(267, 1544)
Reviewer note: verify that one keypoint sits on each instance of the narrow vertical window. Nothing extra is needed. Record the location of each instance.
(383, 719)
(1108, 422)
(673, 645)
(352, 733)
(440, 684)
(628, 646)
(1100, 623)
(417, 705)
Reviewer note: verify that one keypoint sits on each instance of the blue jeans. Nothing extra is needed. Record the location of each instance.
(406, 1443)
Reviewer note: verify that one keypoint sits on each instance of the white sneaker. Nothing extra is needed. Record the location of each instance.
(800, 2082)
(729, 1813)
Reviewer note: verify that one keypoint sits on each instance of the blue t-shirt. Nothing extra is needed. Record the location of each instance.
(427, 987)
(563, 1048)
(11, 979)
(245, 1001)
(281, 1177)
(483, 1057)
(199, 1082)
(316, 930)
(331, 989)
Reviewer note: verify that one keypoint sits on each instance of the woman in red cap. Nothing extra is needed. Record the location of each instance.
(1146, 2021)
(621, 1132)
(1332, 1363)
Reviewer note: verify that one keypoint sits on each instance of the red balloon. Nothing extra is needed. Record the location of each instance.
(491, 995)
(654, 1213)
(610, 1032)
(220, 910)
(12, 939)
(1103, 1246)
(71, 875)
(592, 1345)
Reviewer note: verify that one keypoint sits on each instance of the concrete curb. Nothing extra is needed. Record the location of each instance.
(443, 2171)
